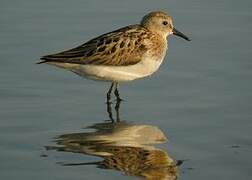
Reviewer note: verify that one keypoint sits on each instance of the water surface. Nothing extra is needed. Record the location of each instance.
(200, 99)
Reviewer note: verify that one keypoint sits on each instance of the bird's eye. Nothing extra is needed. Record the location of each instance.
(165, 23)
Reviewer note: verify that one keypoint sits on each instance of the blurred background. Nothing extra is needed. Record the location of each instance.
(200, 98)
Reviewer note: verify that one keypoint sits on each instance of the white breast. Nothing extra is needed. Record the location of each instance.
(144, 68)
(118, 73)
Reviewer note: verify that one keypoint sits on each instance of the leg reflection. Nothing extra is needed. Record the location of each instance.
(109, 111)
(125, 147)
(117, 110)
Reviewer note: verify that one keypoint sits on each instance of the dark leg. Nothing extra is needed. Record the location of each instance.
(116, 92)
(109, 92)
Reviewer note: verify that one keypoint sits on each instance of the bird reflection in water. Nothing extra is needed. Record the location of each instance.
(125, 147)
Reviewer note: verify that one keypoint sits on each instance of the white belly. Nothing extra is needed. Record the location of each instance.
(113, 73)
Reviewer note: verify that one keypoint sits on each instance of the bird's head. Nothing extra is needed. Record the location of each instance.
(161, 23)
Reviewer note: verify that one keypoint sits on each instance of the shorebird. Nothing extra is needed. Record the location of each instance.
(126, 54)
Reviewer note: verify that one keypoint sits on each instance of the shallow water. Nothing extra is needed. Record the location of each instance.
(200, 99)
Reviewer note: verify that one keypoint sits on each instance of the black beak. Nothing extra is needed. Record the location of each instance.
(180, 34)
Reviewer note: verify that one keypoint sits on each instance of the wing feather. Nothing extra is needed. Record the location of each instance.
(118, 48)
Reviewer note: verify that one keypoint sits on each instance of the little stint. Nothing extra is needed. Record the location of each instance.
(126, 54)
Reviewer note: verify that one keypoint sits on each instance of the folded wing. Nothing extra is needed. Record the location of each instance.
(122, 47)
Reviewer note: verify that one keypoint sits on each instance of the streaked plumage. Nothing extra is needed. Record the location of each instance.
(122, 47)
